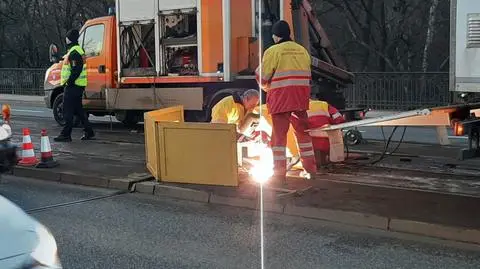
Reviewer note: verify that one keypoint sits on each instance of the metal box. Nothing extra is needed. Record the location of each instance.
(152, 147)
(198, 153)
(187, 152)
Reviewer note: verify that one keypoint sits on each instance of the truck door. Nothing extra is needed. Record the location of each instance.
(92, 41)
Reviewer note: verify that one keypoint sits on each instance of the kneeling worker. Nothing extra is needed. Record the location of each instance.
(322, 114)
(236, 109)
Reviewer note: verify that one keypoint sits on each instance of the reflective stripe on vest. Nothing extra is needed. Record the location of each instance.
(67, 69)
(291, 78)
(336, 115)
(285, 65)
(318, 114)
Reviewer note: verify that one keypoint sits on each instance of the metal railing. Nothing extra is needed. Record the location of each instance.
(386, 91)
(398, 91)
(22, 81)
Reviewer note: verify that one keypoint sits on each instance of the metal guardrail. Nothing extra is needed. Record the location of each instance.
(398, 91)
(22, 81)
(385, 91)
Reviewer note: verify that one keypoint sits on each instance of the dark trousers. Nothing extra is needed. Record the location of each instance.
(72, 105)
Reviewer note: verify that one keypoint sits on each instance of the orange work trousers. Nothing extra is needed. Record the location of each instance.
(280, 125)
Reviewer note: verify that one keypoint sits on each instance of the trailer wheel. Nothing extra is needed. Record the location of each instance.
(58, 112)
(353, 137)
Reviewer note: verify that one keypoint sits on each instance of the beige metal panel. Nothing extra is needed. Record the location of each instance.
(374, 121)
(439, 118)
(152, 147)
(198, 153)
(150, 98)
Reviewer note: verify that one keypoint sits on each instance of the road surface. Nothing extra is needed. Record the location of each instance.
(141, 231)
(412, 134)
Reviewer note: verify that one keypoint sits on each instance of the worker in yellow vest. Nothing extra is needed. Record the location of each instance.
(236, 109)
(74, 81)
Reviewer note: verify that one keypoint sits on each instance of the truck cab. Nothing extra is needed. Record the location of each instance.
(97, 38)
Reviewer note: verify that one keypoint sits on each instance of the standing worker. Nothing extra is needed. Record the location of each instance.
(286, 76)
(235, 109)
(74, 81)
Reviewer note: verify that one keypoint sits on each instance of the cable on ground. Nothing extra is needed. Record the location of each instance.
(387, 142)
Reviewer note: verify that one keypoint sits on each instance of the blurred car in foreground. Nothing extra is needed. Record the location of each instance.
(24, 242)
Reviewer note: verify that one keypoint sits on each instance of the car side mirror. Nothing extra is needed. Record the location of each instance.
(53, 53)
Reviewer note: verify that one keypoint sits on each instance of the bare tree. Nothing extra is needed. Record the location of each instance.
(430, 32)
(27, 27)
(386, 35)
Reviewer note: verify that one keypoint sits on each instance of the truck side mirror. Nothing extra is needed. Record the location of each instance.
(53, 53)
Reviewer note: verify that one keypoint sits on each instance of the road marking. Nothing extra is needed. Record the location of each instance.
(27, 110)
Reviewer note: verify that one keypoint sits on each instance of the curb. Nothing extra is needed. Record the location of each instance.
(142, 183)
(81, 179)
(365, 220)
(435, 230)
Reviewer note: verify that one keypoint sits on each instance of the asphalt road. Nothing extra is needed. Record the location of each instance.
(141, 231)
(412, 134)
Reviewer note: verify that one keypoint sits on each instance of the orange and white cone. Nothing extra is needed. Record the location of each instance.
(46, 160)
(28, 153)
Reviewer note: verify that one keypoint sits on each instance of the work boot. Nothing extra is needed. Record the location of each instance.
(88, 136)
(62, 138)
(307, 175)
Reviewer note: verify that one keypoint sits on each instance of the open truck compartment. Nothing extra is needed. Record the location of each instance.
(157, 38)
(214, 38)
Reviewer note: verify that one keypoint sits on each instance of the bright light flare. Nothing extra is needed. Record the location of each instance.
(262, 169)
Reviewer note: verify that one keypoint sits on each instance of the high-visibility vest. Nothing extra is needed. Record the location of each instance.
(286, 77)
(321, 114)
(229, 110)
(67, 69)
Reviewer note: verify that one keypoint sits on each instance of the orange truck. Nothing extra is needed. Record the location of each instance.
(151, 54)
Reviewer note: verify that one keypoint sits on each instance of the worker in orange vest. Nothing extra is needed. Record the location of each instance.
(285, 77)
(322, 114)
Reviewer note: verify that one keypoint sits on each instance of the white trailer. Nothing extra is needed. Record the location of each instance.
(465, 48)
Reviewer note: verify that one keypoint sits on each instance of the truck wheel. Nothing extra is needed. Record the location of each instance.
(58, 112)
(128, 118)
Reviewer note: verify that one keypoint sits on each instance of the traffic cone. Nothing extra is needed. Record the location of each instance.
(28, 153)
(46, 160)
